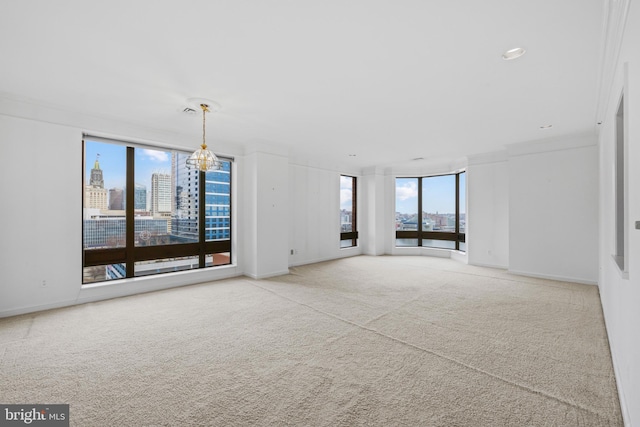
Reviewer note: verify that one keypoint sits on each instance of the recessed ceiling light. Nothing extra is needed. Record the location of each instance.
(513, 54)
(546, 127)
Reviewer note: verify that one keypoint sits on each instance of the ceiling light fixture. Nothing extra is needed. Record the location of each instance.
(513, 54)
(203, 159)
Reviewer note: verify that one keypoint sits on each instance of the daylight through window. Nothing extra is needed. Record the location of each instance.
(174, 219)
(431, 211)
(348, 212)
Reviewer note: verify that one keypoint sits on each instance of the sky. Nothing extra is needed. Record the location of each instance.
(113, 162)
(346, 193)
(438, 194)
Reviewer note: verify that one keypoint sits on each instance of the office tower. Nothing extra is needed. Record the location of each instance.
(95, 195)
(160, 194)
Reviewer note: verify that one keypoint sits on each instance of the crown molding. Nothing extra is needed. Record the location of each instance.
(487, 158)
(614, 20)
(556, 143)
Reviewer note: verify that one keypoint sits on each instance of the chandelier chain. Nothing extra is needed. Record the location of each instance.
(205, 109)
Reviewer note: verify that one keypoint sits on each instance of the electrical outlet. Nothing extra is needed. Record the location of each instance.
(44, 284)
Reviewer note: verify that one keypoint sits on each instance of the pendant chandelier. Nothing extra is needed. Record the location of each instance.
(203, 159)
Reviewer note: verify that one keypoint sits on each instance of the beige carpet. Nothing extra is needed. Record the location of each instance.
(364, 341)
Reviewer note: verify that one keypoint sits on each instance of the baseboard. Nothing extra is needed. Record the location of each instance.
(489, 265)
(36, 308)
(626, 418)
(127, 287)
(554, 277)
(459, 256)
(624, 409)
(323, 259)
(267, 275)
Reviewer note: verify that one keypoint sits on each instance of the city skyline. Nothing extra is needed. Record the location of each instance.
(113, 162)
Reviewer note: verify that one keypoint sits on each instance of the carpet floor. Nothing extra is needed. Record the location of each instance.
(362, 341)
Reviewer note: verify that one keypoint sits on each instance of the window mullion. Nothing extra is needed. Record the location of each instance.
(457, 225)
(129, 213)
(354, 209)
(420, 213)
(201, 217)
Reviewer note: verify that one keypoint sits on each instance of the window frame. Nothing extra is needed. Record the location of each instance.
(420, 234)
(353, 234)
(130, 254)
(621, 186)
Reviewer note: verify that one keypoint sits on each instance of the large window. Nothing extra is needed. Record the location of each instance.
(348, 212)
(174, 219)
(431, 212)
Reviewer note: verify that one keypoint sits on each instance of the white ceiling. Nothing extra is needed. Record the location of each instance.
(386, 80)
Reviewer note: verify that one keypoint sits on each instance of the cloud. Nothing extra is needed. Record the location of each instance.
(156, 156)
(407, 191)
(346, 182)
(345, 199)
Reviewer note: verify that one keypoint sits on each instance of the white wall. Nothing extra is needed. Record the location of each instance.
(488, 210)
(278, 207)
(620, 293)
(553, 208)
(372, 212)
(314, 215)
(265, 215)
(41, 216)
(41, 213)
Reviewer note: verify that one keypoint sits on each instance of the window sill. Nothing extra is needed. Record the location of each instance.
(169, 276)
(619, 263)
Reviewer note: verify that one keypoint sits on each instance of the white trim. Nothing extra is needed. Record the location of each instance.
(268, 275)
(559, 143)
(459, 256)
(623, 274)
(487, 158)
(489, 265)
(614, 21)
(340, 169)
(103, 126)
(133, 286)
(624, 409)
(427, 168)
(330, 258)
(422, 251)
(554, 277)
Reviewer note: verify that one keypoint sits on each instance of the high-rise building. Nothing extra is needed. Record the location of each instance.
(184, 197)
(185, 200)
(116, 199)
(140, 197)
(218, 203)
(160, 194)
(96, 179)
(95, 195)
